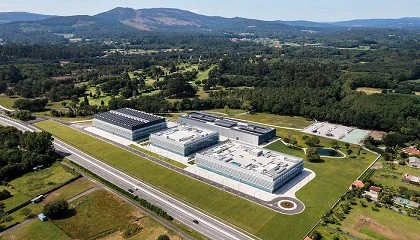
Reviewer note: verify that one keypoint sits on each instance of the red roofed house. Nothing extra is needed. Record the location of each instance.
(411, 150)
(307, 238)
(375, 190)
(357, 184)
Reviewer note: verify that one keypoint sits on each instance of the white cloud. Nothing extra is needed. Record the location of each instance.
(4, 7)
(194, 10)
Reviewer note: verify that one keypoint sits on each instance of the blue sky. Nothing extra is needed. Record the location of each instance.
(315, 10)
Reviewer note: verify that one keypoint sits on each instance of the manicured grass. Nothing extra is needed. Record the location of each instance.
(39, 182)
(16, 199)
(383, 224)
(7, 102)
(173, 162)
(205, 74)
(96, 101)
(101, 212)
(334, 174)
(276, 120)
(228, 111)
(70, 190)
(66, 119)
(37, 230)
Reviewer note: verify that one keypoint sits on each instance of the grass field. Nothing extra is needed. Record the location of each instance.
(102, 212)
(7, 102)
(18, 216)
(70, 190)
(228, 111)
(37, 230)
(16, 199)
(258, 220)
(205, 74)
(276, 120)
(383, 224)
(392, 178)
(173, 162)
(96, 101)
(369, 90)
(35, 183)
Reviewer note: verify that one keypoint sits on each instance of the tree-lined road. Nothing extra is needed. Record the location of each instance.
(208, 226)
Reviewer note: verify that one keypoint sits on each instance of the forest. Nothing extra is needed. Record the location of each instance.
(20, 152)
(320, 81)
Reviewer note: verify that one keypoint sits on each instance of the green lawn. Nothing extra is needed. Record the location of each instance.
(37, 230)
(70, 190)
(19, 216)
(173, 162)
(383, 224)
(102, 212)
(257, 220)
(17, 198)
(276, 120)
(7, 102)
(35, 183)
(96, 101)
(226, 111)
(205, 74)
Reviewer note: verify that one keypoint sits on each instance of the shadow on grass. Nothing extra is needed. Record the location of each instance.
(68, 214)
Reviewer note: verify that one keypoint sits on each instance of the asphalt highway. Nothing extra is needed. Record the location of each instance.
(207, 225)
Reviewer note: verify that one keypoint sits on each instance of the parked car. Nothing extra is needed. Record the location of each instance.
(130, 190)
(195, 221)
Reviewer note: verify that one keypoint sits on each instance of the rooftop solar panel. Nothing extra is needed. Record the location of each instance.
(129, 118)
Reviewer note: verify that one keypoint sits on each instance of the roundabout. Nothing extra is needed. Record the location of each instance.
(288, 205)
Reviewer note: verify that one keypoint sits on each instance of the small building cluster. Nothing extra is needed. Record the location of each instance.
(411, 179)
(239, 158)
(414, 162)
(412, 150)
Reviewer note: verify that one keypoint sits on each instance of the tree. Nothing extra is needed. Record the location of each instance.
(24, 115)
(97, 91)
(312, 155)
(349, 151)
(5, 194)
(163, 237)
(334, 144)
(312, 141)
(102, 103)
(56, 209)
(347, 145)
(315, 235)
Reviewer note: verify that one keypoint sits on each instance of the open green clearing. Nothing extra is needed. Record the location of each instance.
(226, 111)
(39, 182)
(70, 190)
(258, 220)
(365, 223)
(96, 100)
(101, 213)
(276, 120)
(7, 102)
(14, 201)
(19, 216)
(36, 230)
(392, 177)
(173, 162)
(205, 74)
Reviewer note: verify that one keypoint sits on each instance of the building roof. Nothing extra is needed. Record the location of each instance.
(129, 118)
(184, 134)
(375, 189)
(358, 184)
(413, 160)
(412, 150)
(253, 129)
(253, 159)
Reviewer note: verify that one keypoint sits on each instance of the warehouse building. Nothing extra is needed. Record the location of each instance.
(129, 123)
(184, 140)
(236, 130)
(262, 169)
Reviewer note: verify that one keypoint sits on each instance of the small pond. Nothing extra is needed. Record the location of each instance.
(329, 152)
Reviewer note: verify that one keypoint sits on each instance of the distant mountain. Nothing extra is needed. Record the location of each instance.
(169, 19)
(304, 23)
(412, 22)
(6, 17)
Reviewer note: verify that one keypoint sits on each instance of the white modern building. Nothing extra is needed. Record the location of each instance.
(260, 168)
(129, 123)
(235, 130)
(184, 140)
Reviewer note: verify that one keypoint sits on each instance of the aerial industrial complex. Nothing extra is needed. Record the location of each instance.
(184, 140)
(262, 169)
(236, 130)
(128, 123)
(237, 156)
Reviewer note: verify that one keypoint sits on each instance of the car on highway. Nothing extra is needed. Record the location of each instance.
(195, 221)
(130, 190)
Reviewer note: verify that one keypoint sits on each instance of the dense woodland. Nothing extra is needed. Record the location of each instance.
(20, 152)
(317, 81)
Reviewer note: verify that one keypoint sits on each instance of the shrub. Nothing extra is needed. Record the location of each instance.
(163, 237)
(5, 194)
(56, 209)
